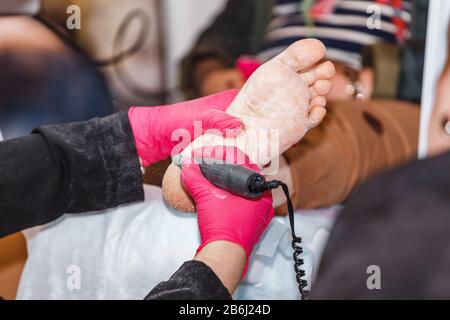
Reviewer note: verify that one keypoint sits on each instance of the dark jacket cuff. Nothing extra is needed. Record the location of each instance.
(193, 281)
(100, 162)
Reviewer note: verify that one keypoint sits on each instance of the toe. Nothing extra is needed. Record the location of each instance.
(303, 54)
(309, 77)
(316, 116)
(320, 88)
(319, 101)
(325, 71)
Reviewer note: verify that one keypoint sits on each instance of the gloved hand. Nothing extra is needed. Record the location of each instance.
(221, 215)
(153, 126)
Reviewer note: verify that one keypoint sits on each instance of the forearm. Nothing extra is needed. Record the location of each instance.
(69, 168)
(227, 260)
(214, 274)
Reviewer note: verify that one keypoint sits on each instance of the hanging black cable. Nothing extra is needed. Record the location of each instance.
(119, 55)
(261, 186)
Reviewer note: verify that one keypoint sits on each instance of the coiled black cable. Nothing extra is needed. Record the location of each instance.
(261, 186)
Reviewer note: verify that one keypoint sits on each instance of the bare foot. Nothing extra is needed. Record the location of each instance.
(284, 98)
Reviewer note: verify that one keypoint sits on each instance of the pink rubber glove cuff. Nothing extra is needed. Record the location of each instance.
(153, 127)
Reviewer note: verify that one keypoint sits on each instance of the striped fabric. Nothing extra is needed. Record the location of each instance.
(344, 31)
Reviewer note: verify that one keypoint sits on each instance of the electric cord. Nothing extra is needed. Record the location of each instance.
(63, 37)
(258, 184)
(119, 55)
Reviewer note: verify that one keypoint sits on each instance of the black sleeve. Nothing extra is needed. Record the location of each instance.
(70, 168)
(193, 281)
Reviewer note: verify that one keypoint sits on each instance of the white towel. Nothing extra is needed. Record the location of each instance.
(123, 253)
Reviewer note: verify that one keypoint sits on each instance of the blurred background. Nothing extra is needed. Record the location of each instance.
(169, 29)
(154, 52)
(149, 38)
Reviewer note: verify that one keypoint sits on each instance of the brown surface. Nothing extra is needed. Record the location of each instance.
(13, 254)
(155, 173)
(356, 141)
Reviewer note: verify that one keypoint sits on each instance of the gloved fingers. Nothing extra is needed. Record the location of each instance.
(194, 181)
(220, 122)
(189, 171)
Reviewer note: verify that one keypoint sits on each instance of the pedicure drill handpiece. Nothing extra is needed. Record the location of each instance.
(249, 184)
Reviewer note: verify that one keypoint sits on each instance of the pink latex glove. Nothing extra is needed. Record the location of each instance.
(247, 66)
(153, 126)
(223, 216)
